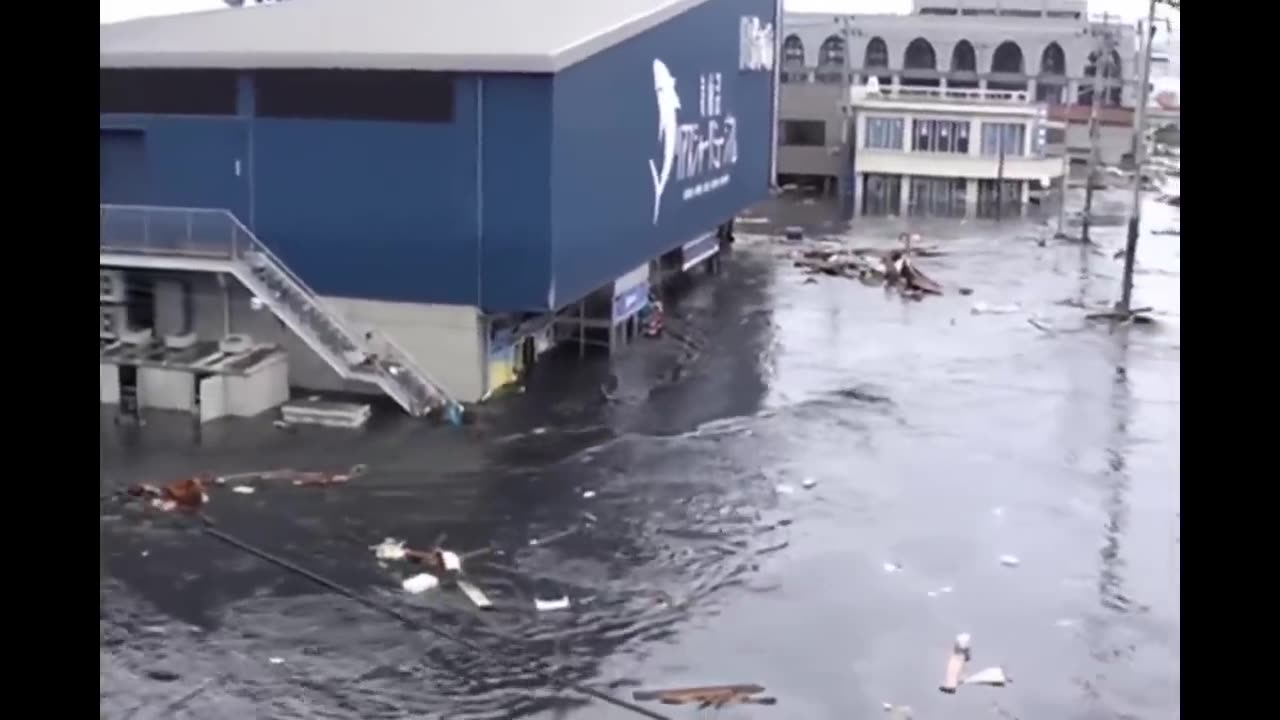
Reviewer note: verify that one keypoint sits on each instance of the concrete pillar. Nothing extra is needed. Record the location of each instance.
(1026, 194)
(1072, 92)
(971, 198)
(975, 138)
(982, 85)
(904, 196)
(1031, 90)
(896, 83)
(172, 302)
(942, 85)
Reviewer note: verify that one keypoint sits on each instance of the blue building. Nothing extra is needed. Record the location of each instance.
(417, 190)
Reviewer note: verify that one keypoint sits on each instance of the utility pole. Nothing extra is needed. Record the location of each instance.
(1101, 67)
(850, 122)
(1139, 158)
(1062, 186)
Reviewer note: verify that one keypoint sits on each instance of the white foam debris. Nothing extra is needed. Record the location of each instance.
(243, 489)
(389, 549)
(451, 561)
(988, 676)
(275, 660)
(1010, 560)
(550, 605)
(420, 583)
(784, 489)
(588, 494)
(808, 483)
(892, 567)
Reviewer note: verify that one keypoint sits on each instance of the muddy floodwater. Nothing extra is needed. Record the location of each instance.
(934, 440)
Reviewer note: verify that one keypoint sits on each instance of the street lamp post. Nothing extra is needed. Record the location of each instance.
(1139, 158)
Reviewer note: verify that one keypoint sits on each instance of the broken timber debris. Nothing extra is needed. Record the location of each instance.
(712, 696)
(443, 566)
(955, 663)
(186, 494)
(894, 267)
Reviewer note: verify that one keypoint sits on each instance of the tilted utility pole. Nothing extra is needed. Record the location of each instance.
(1139, 158)
(1101, 68)
(849, 136)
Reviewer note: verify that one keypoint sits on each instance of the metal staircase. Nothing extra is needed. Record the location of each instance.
(216, 241)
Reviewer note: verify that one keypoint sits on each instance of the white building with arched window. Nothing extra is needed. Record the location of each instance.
(949, 66)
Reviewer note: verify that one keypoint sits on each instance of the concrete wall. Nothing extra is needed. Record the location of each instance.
(165, 389)
(264, 388)
(445, 340)
(607, 132)
(108, 384)
(812, 101)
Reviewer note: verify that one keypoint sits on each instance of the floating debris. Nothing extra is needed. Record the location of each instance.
(275, 660)
(187, 494)
(243, 489)
(808, 483)
(475, 595)
(985, 308)
(450, 561)
(539, 431)
(551, 605)
(784, 489)
(328, 478)
(588, 494)
(1041, 326)
(713, 696)
(420, 583)
(897, 712)
(389, 549)
(892, 567)
(955, 663)
(993, 676)
(1010, 560)
(1065, 623)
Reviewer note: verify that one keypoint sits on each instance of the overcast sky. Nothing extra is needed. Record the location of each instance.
(116, 10)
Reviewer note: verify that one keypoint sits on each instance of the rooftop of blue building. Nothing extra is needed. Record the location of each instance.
(499, 154)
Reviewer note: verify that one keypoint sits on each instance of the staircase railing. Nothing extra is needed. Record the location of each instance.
(207, 233)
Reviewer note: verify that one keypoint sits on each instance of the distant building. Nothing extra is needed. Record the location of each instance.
(969, 62)
(941, 152)
(415, 198)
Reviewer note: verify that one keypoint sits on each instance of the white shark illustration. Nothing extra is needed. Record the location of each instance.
(664, 86)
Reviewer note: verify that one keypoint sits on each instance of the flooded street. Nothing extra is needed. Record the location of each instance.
(935, 439)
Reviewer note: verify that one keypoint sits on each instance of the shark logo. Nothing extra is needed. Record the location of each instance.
(664, 86)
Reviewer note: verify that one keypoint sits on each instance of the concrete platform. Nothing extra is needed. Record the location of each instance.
(204, 356)
(326, 412)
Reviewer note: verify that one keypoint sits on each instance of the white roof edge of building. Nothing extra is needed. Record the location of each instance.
(553, 60)
(476, 62)
(1019, 110)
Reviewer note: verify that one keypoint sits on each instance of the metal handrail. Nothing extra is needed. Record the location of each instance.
(403, 357)
(235, 251)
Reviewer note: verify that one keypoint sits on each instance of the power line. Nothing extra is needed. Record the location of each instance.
(208, 528)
